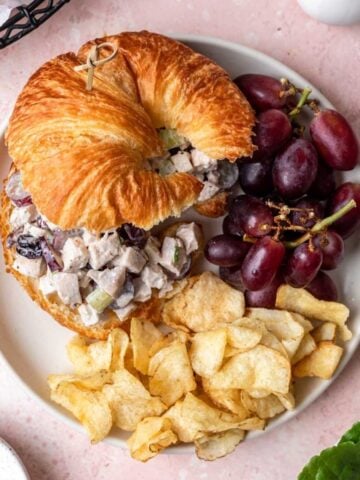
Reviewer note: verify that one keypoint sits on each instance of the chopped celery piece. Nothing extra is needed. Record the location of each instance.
(171, 138)
(99, 300)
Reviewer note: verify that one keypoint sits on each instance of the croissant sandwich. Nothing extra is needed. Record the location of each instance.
(95, 169)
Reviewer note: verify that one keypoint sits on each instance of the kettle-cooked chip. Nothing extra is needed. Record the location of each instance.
(171, 375)
(282, 324)
(191, 418)
(325, 331)
(90, 357)
(264, 408)
(129, 400)
(90, 407)
(259, 368)
(207, 351)
(322, 362)
(306, 347)
(228, 399)
(204, 304)
(143, 335)
(243, 338)
(152, 435)
(301, 301)
(217, 445)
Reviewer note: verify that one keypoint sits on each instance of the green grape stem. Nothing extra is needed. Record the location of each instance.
(322, 225)
(302, 101)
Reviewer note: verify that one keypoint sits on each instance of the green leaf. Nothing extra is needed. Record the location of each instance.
(352, 435)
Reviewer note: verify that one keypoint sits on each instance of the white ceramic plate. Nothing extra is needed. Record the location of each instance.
(34, 345)
(11, 465)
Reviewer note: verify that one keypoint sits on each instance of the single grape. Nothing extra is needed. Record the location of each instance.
(303, 218)
(262, 263)
(324, 184)
(232, 275)
(254, 217)
(132, 235)
(295, 169)
(332, 247)
(323, 287)
(272, 132)
(303, 265)
(347, 224)
(335, 140)
(228, 174)
(226, 250)
(255, 178)
(29, 246)
(230, 226)
(266, 297)
(263, 92)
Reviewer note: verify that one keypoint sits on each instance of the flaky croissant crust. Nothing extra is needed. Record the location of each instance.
(83, 154)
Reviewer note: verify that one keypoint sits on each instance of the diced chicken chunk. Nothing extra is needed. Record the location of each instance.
(46, 284)
(153, 276)
(34, 231)
(173, 255)
(208, 191)
(109, 280)
(67, 287)
(104, 250)
(122, 313)
(14, 188)
(182, 162)
(152, 250)
(190, 235)
(30, 267)
(88, 314)
(22, 215)
(142, 290)
(84, 278)
(201, 161)
(75, 255)
(131, 259)
(89, 237)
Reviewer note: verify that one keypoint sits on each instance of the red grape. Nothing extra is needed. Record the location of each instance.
(226, 250)
(254, 217)
(335, 140)
(272, 132)
(266, 297)
(332, 247)
(323, 287)
(255, 178)
(302, 218)
(231, 227)
(324, 184)
(303, 265)
(261, 263)
(232, 275)
(295, 169)
(263, 92)
(347, 224)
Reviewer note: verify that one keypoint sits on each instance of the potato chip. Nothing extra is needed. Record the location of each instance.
(252, 423)
(88, 358)
(304, 322)
(287, 399)
(264, 408)
(230, 351)
(183, 337)
(207, 351)
(306, 347)
(143, 335)
(269, 340)
(204, 304)
(259, 368)
(93, 382)
(301, 301)
(325, 331)
(228, 399)
(129, 400)
(89, 407)
(258, 393)
(152, 435)
(322, 362)
(217, 445)
(171, 373)
(282, 324)
(191, 418)
(243, 338)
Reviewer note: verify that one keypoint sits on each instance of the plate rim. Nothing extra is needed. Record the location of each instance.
(313, 396)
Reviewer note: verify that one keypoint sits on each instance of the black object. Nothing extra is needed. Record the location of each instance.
(26, 18)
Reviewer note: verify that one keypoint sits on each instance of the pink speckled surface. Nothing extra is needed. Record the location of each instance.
(330, 58)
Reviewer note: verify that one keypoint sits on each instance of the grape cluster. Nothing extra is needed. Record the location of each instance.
(291, 223)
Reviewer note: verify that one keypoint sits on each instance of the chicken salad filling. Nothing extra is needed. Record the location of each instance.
(116, 269)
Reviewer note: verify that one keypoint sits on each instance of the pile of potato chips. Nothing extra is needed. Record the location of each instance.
(212, 371)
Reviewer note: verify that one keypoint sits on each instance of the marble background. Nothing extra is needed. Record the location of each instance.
(330, 58)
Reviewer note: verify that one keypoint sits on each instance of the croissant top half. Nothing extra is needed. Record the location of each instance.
(82, 154)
